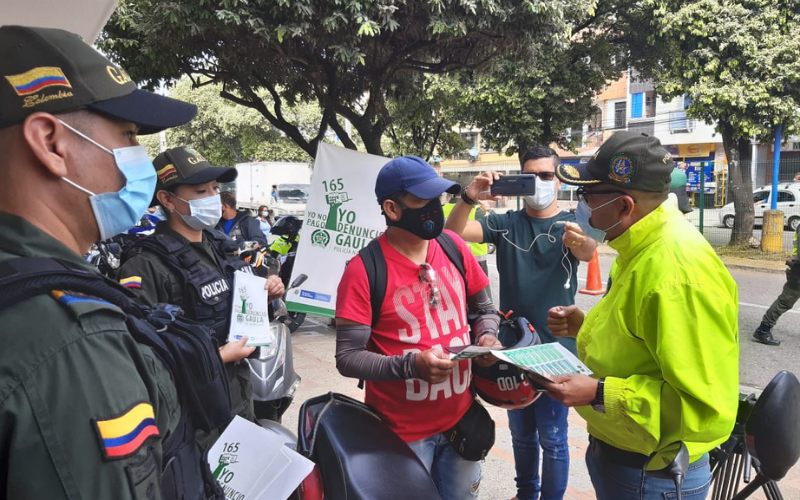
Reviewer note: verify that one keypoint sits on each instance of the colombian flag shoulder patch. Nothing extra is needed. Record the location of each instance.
(122, 436)
(131, 282)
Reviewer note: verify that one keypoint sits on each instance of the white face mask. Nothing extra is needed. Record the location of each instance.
(204, 212)
(545, 195)
(264, 214)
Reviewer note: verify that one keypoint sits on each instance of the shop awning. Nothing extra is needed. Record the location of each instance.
(691, 150)
(84, 17)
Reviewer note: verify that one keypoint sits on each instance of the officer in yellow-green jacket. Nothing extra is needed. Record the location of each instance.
(479, 250)
(663, 343)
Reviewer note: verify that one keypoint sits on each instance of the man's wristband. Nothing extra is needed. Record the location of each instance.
(599, 403)
(467, 199)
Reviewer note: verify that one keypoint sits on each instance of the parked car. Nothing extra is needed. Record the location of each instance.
(788, 203)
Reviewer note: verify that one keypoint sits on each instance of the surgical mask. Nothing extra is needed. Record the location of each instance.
(426, 222)
(544, 196)
(264, 214)
(116, 212)
(582, 215)
(204, 213)
(159, 213)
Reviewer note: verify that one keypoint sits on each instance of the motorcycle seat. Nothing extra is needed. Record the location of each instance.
(771, 430)
(357, 454)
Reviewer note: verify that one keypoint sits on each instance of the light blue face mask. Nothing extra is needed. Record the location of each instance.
(119, 211)
(582, 215)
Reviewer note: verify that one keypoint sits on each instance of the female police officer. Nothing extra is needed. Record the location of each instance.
(189, 264)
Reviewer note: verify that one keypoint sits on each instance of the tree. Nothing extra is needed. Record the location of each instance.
(517, 104)
(227, 133)
(424, 122)
(739, 62)
(345, 55)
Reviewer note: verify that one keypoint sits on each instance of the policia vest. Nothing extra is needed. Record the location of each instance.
(204, 293)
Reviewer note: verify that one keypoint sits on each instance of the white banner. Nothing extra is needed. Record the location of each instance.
(342, 216)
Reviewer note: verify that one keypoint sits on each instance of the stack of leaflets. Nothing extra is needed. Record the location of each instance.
(543, 360)
(540, 361)
(253, 463)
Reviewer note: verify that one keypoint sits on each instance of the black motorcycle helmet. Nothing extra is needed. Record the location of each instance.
(504, 384)
(287, 226)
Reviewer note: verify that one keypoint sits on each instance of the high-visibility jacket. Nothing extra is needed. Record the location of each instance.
(477, 249)
(665, 338)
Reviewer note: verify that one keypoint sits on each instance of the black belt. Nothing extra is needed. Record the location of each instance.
(609, 453)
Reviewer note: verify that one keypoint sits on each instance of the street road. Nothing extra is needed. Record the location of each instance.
(314, 346)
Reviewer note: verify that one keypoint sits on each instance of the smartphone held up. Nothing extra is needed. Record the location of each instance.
(514, 185)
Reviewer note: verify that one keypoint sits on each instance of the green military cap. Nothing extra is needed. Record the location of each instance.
(184, 165)
(55, 71)
(628, 160)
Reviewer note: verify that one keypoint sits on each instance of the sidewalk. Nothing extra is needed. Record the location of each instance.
(314, 346)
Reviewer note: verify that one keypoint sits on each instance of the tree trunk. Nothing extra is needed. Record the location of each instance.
(741, 185)
(522, 148)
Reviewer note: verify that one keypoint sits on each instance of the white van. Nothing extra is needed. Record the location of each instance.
(788, 203)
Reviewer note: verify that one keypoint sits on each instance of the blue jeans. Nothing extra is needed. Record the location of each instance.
(544, 422)
(617, 482)
(456, 478)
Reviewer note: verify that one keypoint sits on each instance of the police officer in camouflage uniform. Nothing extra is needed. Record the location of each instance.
(189, 263)
(785, 301)
(84, 409)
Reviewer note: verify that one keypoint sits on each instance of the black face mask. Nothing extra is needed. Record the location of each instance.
(426, 222)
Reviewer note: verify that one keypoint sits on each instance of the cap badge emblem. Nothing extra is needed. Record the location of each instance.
(571, 171)
(621, 168)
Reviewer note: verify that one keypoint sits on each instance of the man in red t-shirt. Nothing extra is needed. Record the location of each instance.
(410, 380)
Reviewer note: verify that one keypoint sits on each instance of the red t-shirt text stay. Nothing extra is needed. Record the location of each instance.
(413, 408)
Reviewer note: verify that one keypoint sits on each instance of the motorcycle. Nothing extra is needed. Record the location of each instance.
(764, 439)
(272, 367)
(358, 457)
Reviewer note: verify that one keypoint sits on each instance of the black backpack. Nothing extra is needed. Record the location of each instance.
(375, 265)
(184, 346)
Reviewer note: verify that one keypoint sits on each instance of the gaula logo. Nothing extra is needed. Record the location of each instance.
(118, 75)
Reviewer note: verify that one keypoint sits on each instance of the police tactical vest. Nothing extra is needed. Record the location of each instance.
(182, 345)
(205, 293)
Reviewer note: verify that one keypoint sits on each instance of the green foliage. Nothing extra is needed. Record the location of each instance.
(347, 56)
(739, 61)
(424, 121)
(226, 133)
(519, 104)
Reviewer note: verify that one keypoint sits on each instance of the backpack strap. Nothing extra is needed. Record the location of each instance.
(377, 274)
(375, 265)
(454, 254)
(26, 277)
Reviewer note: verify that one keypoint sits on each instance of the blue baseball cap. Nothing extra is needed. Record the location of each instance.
(414, 175)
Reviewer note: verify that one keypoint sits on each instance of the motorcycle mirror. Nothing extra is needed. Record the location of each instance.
(670, 463)
(298, 281)
(279, 308)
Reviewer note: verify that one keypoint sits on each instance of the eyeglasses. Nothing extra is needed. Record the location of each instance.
(582, 193)
(428, 276)
(545, 176)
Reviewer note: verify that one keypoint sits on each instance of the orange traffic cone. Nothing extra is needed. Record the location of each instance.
(594, 284)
